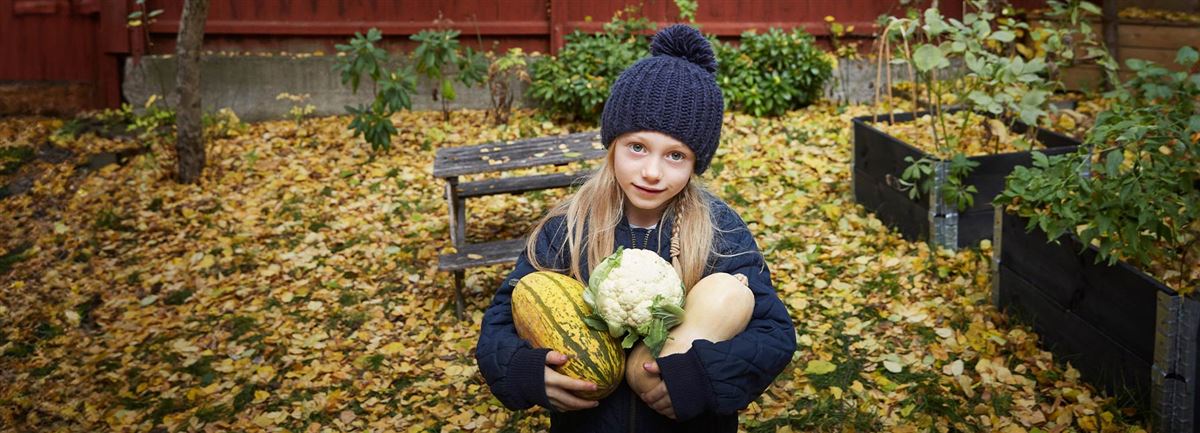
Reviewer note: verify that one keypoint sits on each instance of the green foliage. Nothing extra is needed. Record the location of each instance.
(142, 17)
(1131, 191)
(12, 158)
(392, 89)
(156, 122)
(223, 123)
(771, 73)
(439, 49)
(574, 84)
(687, 9)
(1004, 79)
(360, 57)
(1067, 32)
(953, 190)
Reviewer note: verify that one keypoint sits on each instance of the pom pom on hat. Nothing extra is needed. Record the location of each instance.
(674, 92)
(684, 42)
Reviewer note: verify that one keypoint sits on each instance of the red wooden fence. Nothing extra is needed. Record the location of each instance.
(86, 41)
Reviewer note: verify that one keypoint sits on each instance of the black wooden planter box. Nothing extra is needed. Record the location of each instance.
(1123, 330)
(879, 162)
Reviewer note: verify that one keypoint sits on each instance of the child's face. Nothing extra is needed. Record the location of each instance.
(651, 168)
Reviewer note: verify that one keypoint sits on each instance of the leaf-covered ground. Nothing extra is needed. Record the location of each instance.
(296, 289)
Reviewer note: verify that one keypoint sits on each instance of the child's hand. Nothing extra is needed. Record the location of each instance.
(657, 397)
(742, 279)
(559, 386)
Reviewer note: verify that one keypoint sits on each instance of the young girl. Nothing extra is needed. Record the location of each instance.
(661, 126)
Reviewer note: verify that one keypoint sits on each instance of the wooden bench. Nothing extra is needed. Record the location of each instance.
(496, 157)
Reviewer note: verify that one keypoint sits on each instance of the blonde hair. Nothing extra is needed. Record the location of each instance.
(593, 212)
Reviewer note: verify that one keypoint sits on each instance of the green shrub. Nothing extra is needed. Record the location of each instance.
(771, 73)
(392, 89)
(574, 84)
(1133, 189)
(438, 50)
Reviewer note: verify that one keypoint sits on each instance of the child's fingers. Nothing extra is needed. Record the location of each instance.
(555, 358)
(655, 394)
(554, 378)
(651, 367)
(564, 400)
(742, 279)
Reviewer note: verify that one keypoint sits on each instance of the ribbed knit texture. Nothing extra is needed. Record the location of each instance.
(674, 91)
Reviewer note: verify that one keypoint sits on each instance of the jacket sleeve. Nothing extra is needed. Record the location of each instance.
(514, 370)
(727, 376)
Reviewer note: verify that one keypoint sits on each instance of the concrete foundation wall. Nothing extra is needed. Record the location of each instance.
(249, 85)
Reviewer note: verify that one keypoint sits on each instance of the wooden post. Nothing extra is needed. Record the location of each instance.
(458, 236)
(1111, 21)
(558, 24)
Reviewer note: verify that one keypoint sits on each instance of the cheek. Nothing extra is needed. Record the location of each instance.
(681, 175)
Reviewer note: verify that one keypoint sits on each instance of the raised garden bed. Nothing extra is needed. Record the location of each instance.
(879, 162)
(1122, 329)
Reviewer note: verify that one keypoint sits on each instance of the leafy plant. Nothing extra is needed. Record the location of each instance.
(223, 123)
(501, 73)
(953, 190)
(1132, 190)
(1065, 32)
(439, 49)
(771, 73)
(297, 112)
(574, 84)
(999, 81)
(142, 17)
(687, 9)
(392, 89)
(155, 124)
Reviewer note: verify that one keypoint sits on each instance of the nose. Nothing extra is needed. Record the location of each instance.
(651, 170)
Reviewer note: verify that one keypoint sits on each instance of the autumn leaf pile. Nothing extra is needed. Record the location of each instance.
(296, 289)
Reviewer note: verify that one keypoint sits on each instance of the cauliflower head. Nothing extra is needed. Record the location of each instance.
(635, 293)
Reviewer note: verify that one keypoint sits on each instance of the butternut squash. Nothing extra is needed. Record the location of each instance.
(717, 308)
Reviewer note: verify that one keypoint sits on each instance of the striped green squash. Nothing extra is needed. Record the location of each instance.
(548, 311)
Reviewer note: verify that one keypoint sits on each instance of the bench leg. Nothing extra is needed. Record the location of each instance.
(458, 296)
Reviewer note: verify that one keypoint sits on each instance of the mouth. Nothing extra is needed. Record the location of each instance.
(649, 191)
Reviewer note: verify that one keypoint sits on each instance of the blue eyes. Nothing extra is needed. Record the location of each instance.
(674, 156)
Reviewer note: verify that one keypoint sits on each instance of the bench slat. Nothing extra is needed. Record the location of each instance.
(501, 156)
(515, 185)
(482, 254)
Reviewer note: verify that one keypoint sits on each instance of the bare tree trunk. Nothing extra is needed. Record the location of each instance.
(189, 142)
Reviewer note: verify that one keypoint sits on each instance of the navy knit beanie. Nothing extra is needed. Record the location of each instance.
(674, 91)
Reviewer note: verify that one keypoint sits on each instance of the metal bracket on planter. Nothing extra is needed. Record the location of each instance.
(943, 218)
(997, 239)
(1173, 397)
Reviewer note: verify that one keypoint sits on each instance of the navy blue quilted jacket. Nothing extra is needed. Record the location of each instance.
(707, 384)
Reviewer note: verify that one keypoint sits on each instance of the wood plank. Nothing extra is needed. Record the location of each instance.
(342, 28)
(515, 185)
(507, 159)
(1156, 36)
(482, 254)
(1163, 57)
(501, 156)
